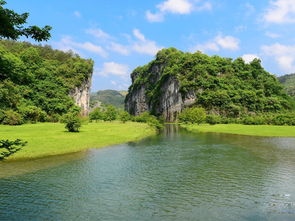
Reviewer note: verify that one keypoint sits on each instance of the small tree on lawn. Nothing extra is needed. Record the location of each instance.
(72, 121)
(124, 116)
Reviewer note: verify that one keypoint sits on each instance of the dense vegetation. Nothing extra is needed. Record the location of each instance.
(35, 82)
(289, 83)
(110, 113)
(108, 97)
(223, 86)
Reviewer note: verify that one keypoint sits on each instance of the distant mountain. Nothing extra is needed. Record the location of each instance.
(289, 83)
(108, 97)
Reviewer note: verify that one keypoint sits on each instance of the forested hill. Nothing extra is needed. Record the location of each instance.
(289, 83)
(108, 97)
(35, 81)
(175, 80)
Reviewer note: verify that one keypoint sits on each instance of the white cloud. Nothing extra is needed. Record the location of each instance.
(143, 45)
(283, 54)
(176, 6)
(121, 49)
(228, 42)
(114, 83)
(98, 33)
(249, 57)
(219, 42)
(280, 12)
(66, 43)
(154, 17)
(77, 14)
(208, 46)
(138, 35)
(272, 35)
(181, 7)
(112, 68)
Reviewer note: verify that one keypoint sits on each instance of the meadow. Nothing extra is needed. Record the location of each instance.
(252, 130)
(49, 139)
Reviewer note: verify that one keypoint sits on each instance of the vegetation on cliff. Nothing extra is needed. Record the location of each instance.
(223, 86)
(35, 81)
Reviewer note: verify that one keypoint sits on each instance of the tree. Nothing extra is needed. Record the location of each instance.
(110, 114)
(8, 148)
(12, 26)
(125, 116)
(72, 121)
(96, 114)
(193, 115)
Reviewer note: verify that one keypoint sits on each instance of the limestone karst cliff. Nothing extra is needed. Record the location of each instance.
(81, 95)
(175, 80)
(169, 99)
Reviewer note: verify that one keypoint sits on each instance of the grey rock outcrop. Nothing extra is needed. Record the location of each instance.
(81, 95)
(170, 101)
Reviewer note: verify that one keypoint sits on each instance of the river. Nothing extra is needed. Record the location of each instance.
(175, 175)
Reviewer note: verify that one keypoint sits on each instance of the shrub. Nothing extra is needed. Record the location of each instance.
(110, 114)
(149, 119)
(72, 121)
(284, 119)
(31, 113)
(8, 148)
(12, 118)
(124, 116)
(96, 114)
(213, 119)
(192, 115)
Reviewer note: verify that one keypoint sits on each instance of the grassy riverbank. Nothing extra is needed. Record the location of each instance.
(252, 130)
(48, 139)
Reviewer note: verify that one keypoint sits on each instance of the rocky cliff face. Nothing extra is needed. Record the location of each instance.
(81, 95)
(169, 100)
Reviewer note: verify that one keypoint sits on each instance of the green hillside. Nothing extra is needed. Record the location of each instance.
(108, 97)
(289, 83)
(35, 81)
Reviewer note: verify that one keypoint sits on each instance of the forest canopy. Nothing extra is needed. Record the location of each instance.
(35, 81)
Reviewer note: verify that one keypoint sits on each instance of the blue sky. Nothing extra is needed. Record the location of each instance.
(121, 35)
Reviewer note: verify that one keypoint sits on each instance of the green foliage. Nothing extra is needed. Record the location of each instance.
(72, 121)
(110, 113)
(124, 116)
(213, 119)
(35, 81)
(193, 115)
(8, 148)
(230, 88)
(12, 26)
(96, 114)
(12, 118)
(146, 117)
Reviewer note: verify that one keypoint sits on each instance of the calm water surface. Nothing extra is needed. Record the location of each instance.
(173, 176)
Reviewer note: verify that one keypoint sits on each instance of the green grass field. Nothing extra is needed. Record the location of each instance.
(252, 130)
(48, 139)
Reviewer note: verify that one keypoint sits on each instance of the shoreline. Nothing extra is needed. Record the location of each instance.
(51, 139)
(245, 130)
